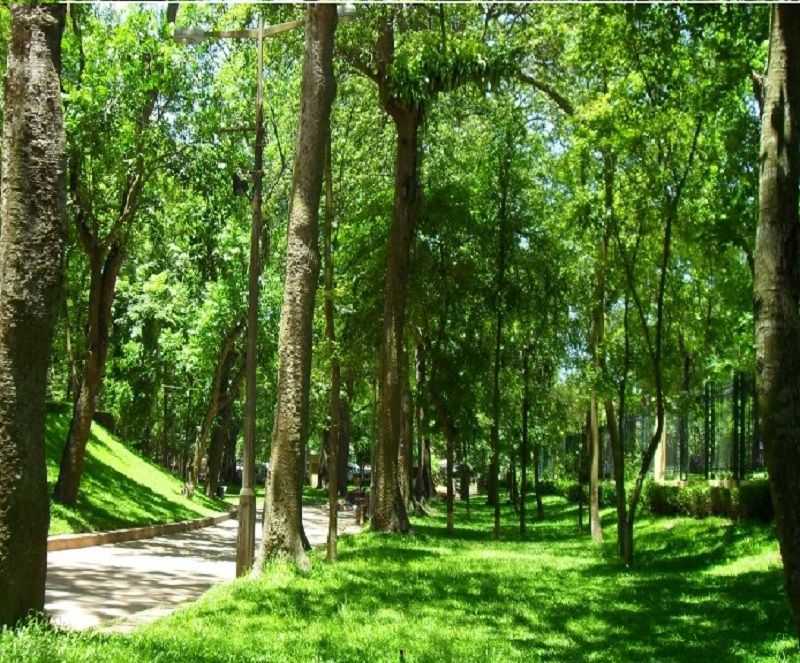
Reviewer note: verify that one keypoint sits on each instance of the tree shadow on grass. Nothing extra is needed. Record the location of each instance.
(554, 597)
(108, 498)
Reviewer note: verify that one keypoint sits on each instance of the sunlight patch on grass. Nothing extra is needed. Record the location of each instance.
(553, 597)
(119, 488)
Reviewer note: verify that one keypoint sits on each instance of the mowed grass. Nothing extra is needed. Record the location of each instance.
(703, 590)
(118, 488)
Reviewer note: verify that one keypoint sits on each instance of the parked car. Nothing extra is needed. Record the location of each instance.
(354, 471)
(262, 472)
(443, 470)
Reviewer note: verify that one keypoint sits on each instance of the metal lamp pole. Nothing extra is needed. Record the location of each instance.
(246, 540)
(245, 545)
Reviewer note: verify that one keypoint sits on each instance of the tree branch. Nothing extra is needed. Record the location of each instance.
(361, 67)
(559, 99)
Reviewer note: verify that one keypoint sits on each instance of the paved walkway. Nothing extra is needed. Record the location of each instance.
(138, 581)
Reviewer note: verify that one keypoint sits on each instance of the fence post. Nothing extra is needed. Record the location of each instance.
(758, 457)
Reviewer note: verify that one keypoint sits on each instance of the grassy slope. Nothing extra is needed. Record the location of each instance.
(119, 488)
(703, 590)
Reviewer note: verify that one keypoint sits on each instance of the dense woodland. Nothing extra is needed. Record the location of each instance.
(481, 227)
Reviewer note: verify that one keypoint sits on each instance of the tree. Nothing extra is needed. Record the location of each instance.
(777, 287)
(31, 266)
(407, 82)
(103, 227)
(334, 426)
(283, 505)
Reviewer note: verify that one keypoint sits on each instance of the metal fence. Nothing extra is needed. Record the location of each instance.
(712, 434)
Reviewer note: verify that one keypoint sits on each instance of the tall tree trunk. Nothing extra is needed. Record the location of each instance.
(224, 421)
(649, 452)
(594, 472)
(513, 494)
(216, 447)
(334, 427)
(596, 342)
(419, 364)
(449, 430)
(218, 385)
(104, 266)
(617, 450)
(618, 457)
(524, 452)
(283, 513)
(500, 276)
(343, 453)
(229, 454)
(537, 479)
(655, 345)
(406, 432)
(389, 513)
(322, 474)
(32, 202)
(777, 287)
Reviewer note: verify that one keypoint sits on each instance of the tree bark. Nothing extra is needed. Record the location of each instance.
(224, 421)
(104, 266)
(389, 513)
(336, 371)
(406, 432)
(673, 195)
(343, 453)
(494, 466)
(615, 435)
(595, 451)
(537, 480)
(618, 457)
(777, 288)
(420, 491)
(219, 382)
(513, 493)
(283, 513)
(524, 452)
(649, 452)
(449, 430)
(32, 206)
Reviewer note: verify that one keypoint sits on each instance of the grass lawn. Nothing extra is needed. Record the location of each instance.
(118, 488)
(704, 590)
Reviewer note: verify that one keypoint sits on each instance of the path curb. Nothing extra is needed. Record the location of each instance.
(88, 539)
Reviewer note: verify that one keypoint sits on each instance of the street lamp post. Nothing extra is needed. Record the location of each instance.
(246, 540)
(245, 546)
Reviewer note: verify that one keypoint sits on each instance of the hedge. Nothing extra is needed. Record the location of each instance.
(749, 501)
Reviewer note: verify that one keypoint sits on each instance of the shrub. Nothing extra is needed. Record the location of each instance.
(573, 492)
(720, 501)
(659, 499)
(751, 500)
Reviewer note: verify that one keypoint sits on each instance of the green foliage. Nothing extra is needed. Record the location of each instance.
(422, 67)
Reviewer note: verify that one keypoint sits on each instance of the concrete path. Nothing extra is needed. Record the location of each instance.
(138, 581)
